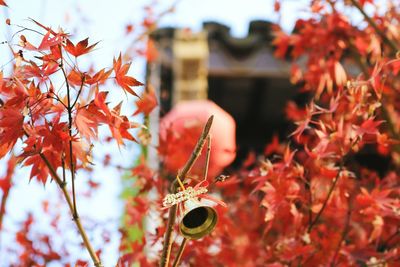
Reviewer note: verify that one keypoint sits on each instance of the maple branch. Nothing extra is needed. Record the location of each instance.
(55, 97)
(331, 189)
(197, 149)
(180, 252)
(62, 185)
(61, 182)
(166, 252)
(22, 29)
(63, 168)
(3, 205)
(71, 162)
(79, 92)
(7, 183)
(205, 174)
(207, 157)
(373, 24)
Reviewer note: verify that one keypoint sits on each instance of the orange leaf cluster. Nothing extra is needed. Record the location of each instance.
(49, 120)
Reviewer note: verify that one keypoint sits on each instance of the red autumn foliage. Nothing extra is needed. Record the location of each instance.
(56, 123)
(308, 201)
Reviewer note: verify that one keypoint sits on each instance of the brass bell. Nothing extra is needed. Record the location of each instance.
(198, 220)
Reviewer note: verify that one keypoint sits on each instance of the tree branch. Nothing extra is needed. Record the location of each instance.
(197, 149)
(61, 184)
(6, 188)
(79, 92)
(71, 162)
(180, 252)
(207, 157)
(3, 206)
(373, 24)
(166, 252)
(331, 189)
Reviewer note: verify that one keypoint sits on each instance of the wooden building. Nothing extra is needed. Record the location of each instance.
(241, 75)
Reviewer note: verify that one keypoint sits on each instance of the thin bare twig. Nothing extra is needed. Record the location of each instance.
(4, 199)
(69, 110)
(205, 174)
(64, 180)
(3, 206)
(79, 92)
(207, 157)
(331, 189)
(180, 252)
(86, 242)
(197, 149)
(166, 252)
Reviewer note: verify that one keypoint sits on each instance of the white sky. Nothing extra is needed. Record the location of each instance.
(105, 20)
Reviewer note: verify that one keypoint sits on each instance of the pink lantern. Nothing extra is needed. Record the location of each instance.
(181, 128)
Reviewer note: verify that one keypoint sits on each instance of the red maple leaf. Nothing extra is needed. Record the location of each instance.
(126, 82)
(88, 119)
(119, 126)
(11, 121)
(378, 202)
(42, 72)
(100, 101)
(147, 102)
(49, 41)
(39, 168)
(53, 56)
(75, 77)
(369, 126)
(86, 123)
(80, 48)
(100, 77)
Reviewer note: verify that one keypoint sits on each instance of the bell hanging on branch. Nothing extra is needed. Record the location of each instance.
(198, 220)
